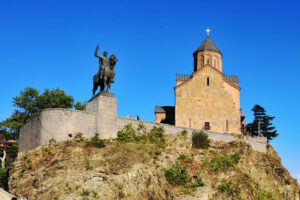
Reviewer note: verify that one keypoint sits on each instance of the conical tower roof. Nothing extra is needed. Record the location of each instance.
(207, 44)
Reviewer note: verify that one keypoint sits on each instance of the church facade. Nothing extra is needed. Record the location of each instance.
(205, 99)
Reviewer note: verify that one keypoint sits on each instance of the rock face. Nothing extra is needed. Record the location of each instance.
(73, 170)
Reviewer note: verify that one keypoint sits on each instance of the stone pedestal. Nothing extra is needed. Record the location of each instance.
(105, 107)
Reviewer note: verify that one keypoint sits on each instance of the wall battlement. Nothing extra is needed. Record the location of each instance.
(102, 118)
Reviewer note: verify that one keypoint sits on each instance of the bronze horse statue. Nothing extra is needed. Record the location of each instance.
(106, 73)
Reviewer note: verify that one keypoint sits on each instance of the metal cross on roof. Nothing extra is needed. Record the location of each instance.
(207, 31)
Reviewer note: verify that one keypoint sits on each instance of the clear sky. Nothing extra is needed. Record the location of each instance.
(50, 44)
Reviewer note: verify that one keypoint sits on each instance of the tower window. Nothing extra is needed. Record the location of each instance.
(206, 126)
(207, 81)
(227, 125)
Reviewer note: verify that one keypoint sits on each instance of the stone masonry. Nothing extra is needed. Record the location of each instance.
(102, 118)
(106, 108)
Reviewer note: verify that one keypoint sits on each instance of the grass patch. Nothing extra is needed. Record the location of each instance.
(123, 156)
(263, 194)
(197, 181)
(182, 157)
(229, 189)
(177, 175)
(200, 140)
(223, 161)
(85, 192)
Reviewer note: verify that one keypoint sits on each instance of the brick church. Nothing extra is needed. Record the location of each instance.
(205, 99)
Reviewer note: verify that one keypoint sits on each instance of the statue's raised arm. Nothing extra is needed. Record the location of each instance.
(96, 52)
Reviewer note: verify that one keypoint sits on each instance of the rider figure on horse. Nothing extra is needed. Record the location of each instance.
(106, 73)
(103, 61)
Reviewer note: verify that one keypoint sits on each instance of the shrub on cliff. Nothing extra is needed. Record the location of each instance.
(156, 136)
(96, 142)
(177, 175)
(223, 161)
(130, 134)
(127, 134)
(200, 140)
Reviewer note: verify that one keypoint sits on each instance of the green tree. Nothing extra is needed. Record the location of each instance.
(31, 101)
(264, 121)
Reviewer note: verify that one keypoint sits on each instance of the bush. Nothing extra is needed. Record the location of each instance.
(223, 161)
(200, 140)
(184, 133)
(177, 175)
(156, 136)
(79, 137)
(127, 134)
(96, 142)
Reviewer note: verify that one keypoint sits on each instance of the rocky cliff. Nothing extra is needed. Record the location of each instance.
(145, 170)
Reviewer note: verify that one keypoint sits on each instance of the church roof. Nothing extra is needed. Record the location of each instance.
(207, 44)
(232, 78)
(164, 109)
(183, 77)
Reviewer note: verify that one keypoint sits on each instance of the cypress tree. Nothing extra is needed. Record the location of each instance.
(265, 121)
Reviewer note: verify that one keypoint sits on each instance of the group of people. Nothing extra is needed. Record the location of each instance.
(132, 117)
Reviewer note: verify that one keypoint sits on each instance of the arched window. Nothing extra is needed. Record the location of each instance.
(207, 81)
(201, 61)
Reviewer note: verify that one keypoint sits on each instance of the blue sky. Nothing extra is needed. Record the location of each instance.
(50, 44)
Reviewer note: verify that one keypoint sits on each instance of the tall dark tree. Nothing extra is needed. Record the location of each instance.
(264, 121)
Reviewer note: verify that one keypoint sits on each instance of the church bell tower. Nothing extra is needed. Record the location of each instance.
(207, 53)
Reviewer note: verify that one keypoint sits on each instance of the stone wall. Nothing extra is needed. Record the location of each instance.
(58, 123)
(257, 143)
(55, 123)
(30, 134)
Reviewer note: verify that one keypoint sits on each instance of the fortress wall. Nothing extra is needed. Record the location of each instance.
(55, 123)
(257, 143)
(171, 129)
(29, 137)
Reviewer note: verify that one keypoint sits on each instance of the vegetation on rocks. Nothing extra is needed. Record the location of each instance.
(147, 164)
(96, 141)
(223, 161)
(130, 134)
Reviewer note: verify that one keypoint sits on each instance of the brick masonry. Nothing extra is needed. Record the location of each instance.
(101, 117)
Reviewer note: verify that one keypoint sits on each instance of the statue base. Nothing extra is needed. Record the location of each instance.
(102, 94)
(104, 105)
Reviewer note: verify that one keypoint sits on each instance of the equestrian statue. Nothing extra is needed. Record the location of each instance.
(106, 72)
